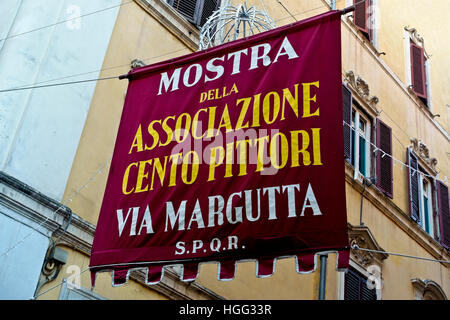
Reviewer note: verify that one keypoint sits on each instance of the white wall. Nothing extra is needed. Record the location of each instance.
(40, 128)
(20, 267)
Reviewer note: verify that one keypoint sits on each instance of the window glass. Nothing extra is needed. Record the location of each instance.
(360, 144)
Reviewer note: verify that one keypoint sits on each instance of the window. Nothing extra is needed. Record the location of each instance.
(356, 287)
(425, 206)
(365, 19)
(417, 66)
(361, 136)
(443, 213)
(357, 136)
(418, 72)
(195, 11)
(427, 290)
(360, 145)
(428, 201)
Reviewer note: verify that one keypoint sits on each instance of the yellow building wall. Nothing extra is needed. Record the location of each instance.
(138, 35)
(103, 286)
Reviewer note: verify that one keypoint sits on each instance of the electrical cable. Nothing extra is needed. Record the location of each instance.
(72, 196)
(33, 86)
(99, 70)
(64, 21)
(59, 284)
(286, 9)
(116, 77)
(58, 84)
(356, 247)
(445, 181)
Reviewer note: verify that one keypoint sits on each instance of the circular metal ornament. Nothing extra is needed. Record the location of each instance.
(232, 22)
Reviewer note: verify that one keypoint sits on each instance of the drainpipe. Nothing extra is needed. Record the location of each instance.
(323, 276)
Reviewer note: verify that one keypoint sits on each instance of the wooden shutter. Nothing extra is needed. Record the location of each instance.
(355, 287)
(347, 113)
(352, 290)
(195, 11)
(384, 164)
(361, 15)
(188, 8)
(413, 184)
(418, 71)
(444, 213)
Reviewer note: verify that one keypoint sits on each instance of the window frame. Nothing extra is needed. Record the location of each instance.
(410, 38)
(429, 218)
(372, 21)
(355, 142)
(433, 216)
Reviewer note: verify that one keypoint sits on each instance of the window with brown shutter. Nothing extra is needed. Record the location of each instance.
(418, 75)
(362, 17)
(195, 11)
(347, 116)
(413, 184)
(384, 163)
(444, 213)
(355, 287)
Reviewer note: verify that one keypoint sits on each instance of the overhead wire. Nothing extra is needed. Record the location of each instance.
(287, 10)
(356, 247)
(59, 284)
(33, 86)
(99, 70)
(53, 214)
(65, 21)
(116, 77)
(395, 161)
(58, 84)
(353, 247)
(29, 87)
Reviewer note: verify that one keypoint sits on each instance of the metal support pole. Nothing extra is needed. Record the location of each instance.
(323, 276)
(348, 9)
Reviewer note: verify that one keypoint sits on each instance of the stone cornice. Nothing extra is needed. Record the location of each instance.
(421, 150)
(361, 92)
(53, 217)
(417, 39)
(363, 238)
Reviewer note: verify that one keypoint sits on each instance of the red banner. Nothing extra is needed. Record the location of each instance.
(231, 153)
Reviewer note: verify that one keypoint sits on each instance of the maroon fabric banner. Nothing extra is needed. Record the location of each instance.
(231, 153)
